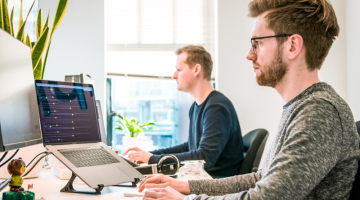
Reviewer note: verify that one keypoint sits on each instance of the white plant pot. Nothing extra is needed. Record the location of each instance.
(129, 142)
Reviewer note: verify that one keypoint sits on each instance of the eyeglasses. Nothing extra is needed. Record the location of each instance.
(253, 46)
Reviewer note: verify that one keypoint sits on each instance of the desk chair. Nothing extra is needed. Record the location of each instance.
(354, 194)
(254, 143)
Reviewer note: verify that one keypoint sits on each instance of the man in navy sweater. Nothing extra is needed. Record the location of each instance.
(214, 133)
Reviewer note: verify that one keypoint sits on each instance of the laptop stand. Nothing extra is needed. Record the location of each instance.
(69, 187)
(133, 184)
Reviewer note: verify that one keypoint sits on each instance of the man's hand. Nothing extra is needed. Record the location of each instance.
(137, 155)
(166, 193)
(162, 181)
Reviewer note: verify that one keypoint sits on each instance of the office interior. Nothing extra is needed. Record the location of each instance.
(79, 46)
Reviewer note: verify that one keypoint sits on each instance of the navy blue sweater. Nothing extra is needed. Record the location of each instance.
(214, 136)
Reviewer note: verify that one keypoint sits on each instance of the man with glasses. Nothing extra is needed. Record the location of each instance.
(316, 148)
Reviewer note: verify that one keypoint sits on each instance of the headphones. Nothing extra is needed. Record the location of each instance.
(167, 165)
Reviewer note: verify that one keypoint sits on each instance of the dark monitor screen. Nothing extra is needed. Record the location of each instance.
(67, 112)
(19, 116)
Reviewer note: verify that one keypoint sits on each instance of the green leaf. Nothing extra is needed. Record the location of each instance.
(46, 22)
(46, 55)
(38, 28)
(20, 17)
(148, 125)
(38, 70)
(20, 34)
(124, 127)
(27, 41)
(11, 21)
(1, 20)
(133, 126)
(120, 116)
(5, 17)
(48, 47)
(60, 12)
(127, 121)
(39, 48)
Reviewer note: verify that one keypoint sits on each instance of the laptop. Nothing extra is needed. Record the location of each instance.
(70, 130)
(101, 123)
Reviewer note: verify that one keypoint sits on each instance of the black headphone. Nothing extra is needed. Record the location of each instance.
(168, 165)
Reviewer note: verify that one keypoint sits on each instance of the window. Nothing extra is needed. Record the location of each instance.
(31, 21)
(151, 99)
(141, 38)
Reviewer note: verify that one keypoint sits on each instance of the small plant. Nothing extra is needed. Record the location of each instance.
(43, 32)
(132, 126)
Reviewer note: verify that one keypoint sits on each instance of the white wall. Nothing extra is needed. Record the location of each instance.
(261, 107)
(353, 55)
(334, 69)
(78, 43)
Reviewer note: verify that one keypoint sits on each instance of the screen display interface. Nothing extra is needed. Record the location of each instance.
(67, 112)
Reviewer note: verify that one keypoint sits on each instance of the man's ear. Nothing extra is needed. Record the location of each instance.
(197, 69)
(295, 46)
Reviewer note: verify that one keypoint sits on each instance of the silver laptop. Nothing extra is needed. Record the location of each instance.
(101, 123)
(70, 130)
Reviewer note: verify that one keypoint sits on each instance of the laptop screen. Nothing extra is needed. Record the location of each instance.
(67, 112)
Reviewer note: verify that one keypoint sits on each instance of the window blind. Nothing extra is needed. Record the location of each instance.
(142, 35)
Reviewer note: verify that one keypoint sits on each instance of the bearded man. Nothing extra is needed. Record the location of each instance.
(316, 149)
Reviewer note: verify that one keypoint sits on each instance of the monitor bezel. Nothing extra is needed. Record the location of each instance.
(18, 145)
(72, 84)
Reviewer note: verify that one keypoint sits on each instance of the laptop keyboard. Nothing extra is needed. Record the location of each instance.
(89, 157)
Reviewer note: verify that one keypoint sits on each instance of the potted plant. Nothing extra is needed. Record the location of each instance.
(43, 32)
(134, 131)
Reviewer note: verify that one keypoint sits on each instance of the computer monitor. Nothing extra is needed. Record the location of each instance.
(19, 115)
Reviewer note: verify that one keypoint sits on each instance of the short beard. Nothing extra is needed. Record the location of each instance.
(273, 73)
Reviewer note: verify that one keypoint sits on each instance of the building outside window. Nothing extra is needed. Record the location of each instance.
(141, 39)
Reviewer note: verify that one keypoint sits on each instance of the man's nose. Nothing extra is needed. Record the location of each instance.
(251, 55)
(174, 75)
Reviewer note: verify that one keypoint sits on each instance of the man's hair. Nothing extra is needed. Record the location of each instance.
(314, 20)
(198, 55)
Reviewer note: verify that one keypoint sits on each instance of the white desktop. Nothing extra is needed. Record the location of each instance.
(48, 186)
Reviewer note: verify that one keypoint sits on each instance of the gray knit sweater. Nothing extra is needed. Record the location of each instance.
(314, 155)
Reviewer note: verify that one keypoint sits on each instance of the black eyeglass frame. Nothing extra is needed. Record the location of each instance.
(257, 38)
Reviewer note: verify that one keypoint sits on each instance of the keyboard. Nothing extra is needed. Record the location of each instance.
(88, 157)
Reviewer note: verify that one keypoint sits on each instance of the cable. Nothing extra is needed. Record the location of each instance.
(9, 158)
(36, 157)
(5, 182)
(2, 157)
(35, 163)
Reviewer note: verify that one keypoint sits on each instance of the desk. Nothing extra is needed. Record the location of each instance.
(48, 185)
